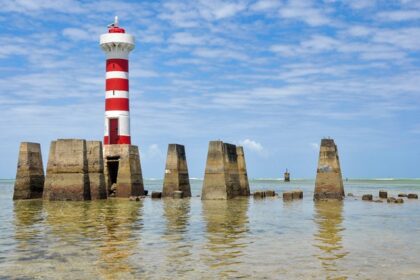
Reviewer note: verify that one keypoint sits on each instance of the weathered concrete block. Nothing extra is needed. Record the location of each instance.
(176, 172)
(329, 182)
(287, 196)
(270, 193)
(367, 197)
(67, 186)
(156, 194)
(95, 163)
(412, 196)
(67, 177)
(242, 172)
(221, 178)
(383, 194)
(297, 194)
(30, 172)
(123, 170)
(177, 194)
(259, 194)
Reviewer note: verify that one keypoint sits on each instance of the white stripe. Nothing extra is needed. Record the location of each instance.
(116, 75)
(116, 114)
(116, 94)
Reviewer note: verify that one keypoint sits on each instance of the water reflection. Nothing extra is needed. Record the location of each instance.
(122, 221)
(27, 233)
(96, 235)
(177, 215)
(329, 217)
(226, 234)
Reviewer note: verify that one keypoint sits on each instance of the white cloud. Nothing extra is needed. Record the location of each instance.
(304, 11)
(314, 146)
(78, 34)
(402, 15)
(263, 5)
(253, 146)
(185, 38)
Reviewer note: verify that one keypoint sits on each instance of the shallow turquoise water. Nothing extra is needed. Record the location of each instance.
(191, 239)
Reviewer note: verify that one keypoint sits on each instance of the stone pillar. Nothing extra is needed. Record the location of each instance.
(329, 182)
(123, 170)
(30, 172)
(176, 172)
(67, 171)
(243, 174)
(221, 178)
(95, 163)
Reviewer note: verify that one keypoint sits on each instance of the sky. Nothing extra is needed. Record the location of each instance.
(273, 76)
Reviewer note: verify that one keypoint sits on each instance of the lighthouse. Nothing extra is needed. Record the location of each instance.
(117, 45)
(122, 167)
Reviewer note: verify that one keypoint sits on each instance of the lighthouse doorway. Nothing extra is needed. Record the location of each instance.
(113, 131)
(112, 164)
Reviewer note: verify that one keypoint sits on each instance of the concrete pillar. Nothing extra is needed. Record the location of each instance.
(30, 172)
(67, 171)
(176, 172)
(96, 170)
(329, 182)
(243, 174)
(221, 178)
(123, 169)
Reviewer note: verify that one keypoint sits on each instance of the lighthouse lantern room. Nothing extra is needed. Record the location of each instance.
(117, 45)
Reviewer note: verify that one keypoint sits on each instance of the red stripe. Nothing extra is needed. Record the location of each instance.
(122, 139)
(116, 84)
(116, 104)
(117, 64)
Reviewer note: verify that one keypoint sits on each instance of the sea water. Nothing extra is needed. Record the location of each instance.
(194, 239)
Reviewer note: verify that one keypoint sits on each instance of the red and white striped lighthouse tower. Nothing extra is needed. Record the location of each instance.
(117, 45)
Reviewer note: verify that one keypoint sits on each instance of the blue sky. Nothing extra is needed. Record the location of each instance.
(274, 76)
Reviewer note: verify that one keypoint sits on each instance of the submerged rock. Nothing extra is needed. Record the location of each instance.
(399, 200)
(156, 194)
(402, 195)
(391, 199)
(412, 196)
(367, 197)
(287, 196)
(383, 194)
(259, 194)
